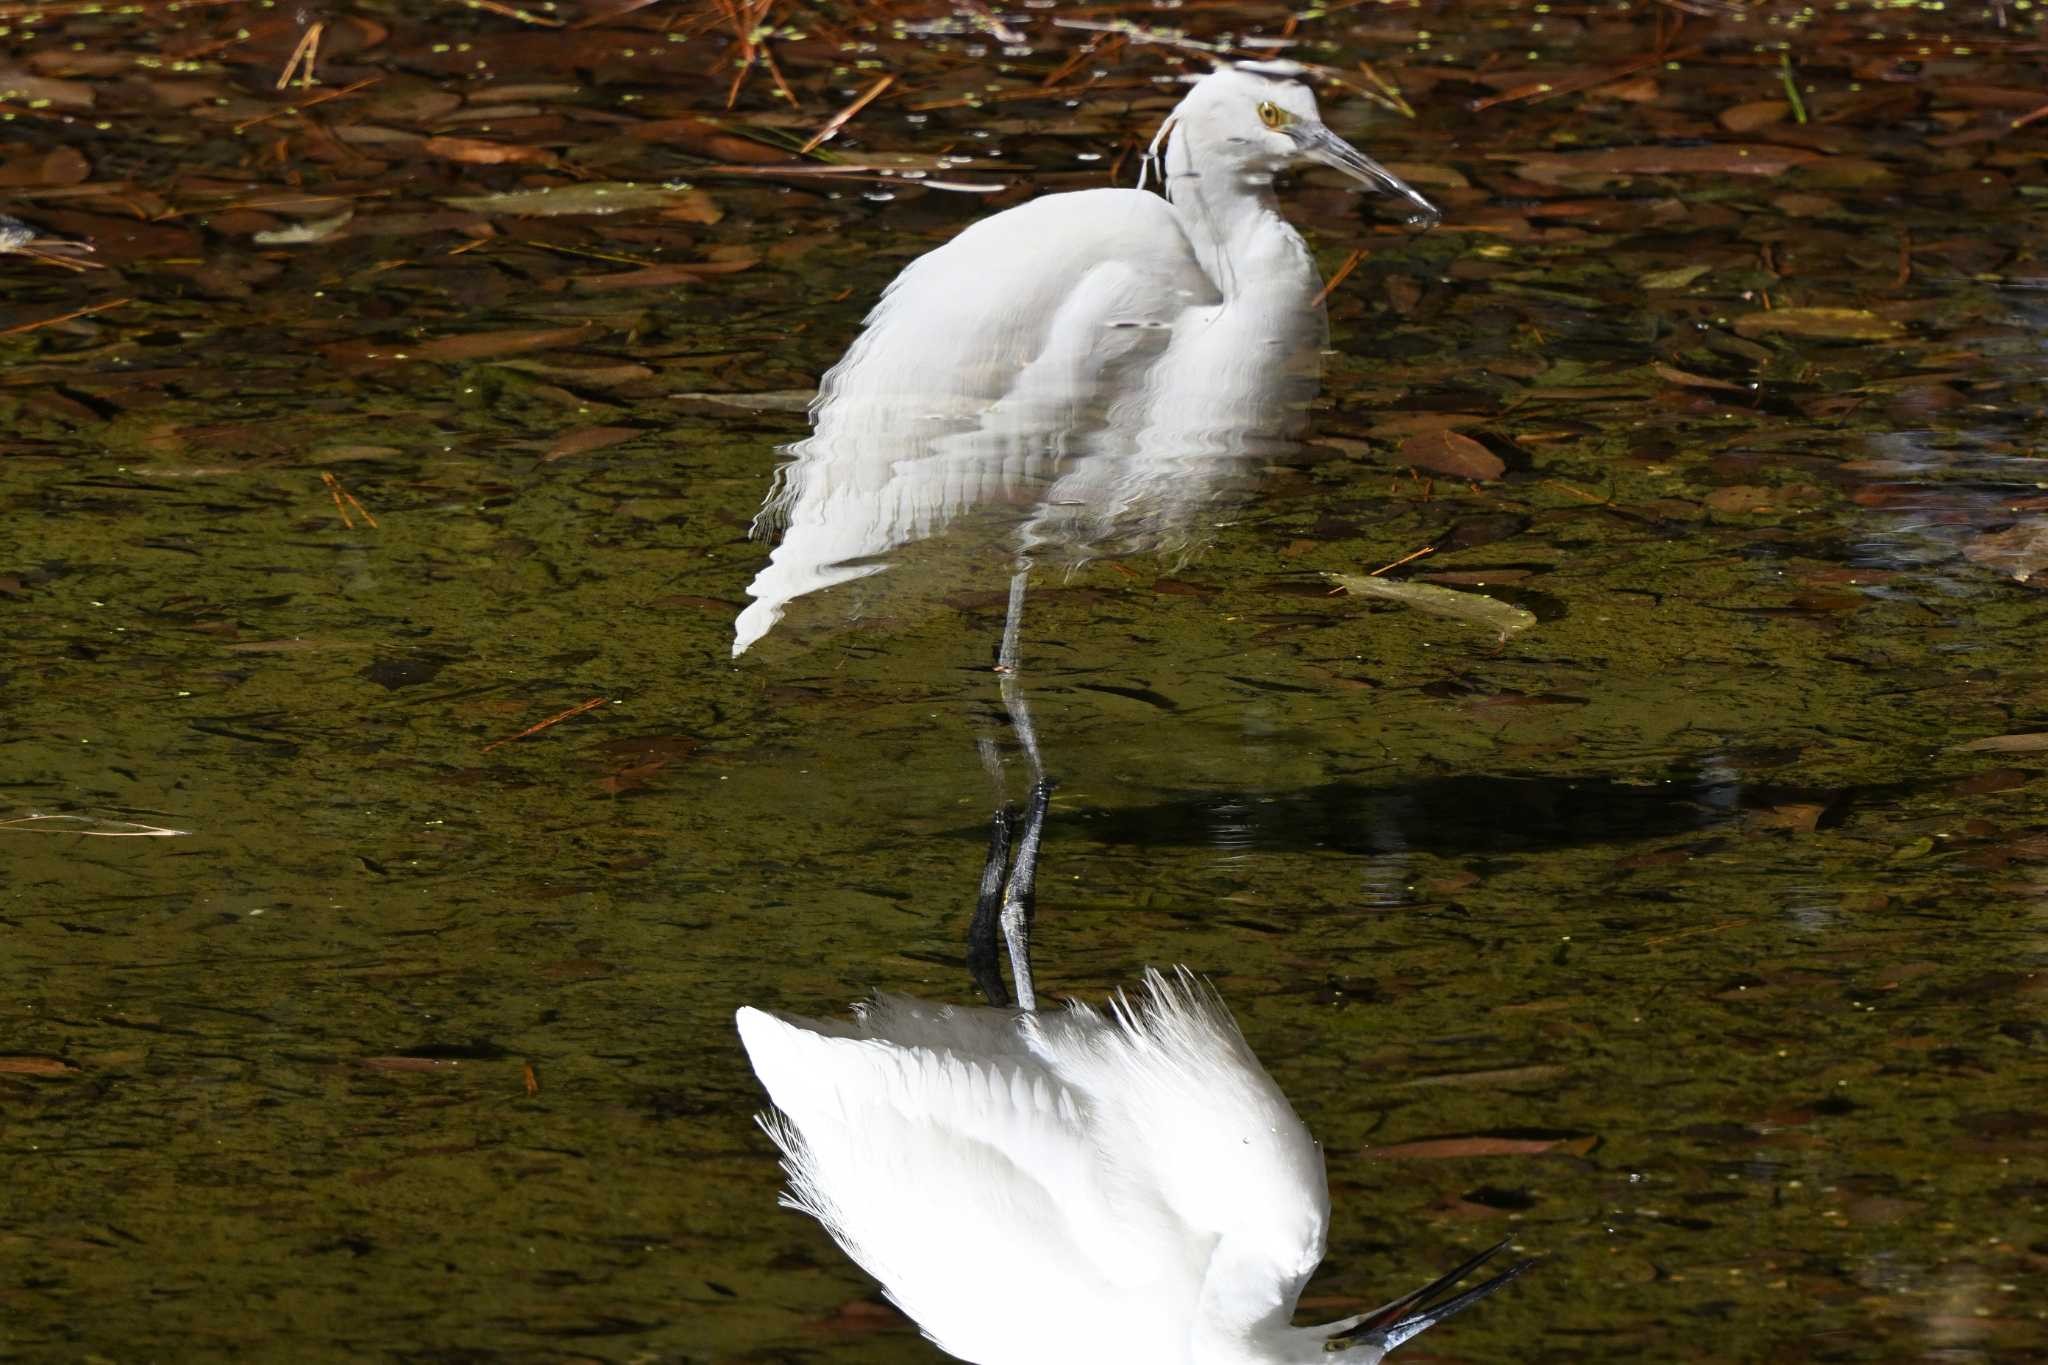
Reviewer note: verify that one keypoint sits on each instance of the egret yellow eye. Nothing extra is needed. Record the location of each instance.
(1273, 116)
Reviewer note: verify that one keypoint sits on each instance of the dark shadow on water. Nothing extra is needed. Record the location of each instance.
(1446, 815)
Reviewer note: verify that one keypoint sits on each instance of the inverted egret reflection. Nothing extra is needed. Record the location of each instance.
(1079, 1185)
(1095, 370)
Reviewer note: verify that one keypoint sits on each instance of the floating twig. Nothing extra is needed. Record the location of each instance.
(103, 829)
(993, 22)
(1791, 86)
(304, 105)
(840, 119)
(1565, 85)
(1390, 92)
(64, 317)
(1593, 498)
(775, 74)
(614, 257)
(334, 487)
(2031, 116)
(555, 719)
(1078, 56)
(1343, 273)
(510, 12)
(1688, 932)
(1408, 558)
(302, 58)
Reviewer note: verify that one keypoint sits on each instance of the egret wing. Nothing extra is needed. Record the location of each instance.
(1177, 1092)
(969, 1186)
(986, 364)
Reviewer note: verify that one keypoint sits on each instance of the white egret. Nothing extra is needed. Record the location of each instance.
(1105, 363)
(1102, 359)
(1081, 1185)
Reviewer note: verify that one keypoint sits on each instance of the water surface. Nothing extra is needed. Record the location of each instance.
(416, 1044)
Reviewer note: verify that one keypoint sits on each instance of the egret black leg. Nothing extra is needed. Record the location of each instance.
(983, 962)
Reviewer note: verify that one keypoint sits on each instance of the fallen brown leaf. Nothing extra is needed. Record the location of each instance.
(659, 276)
(1448, 452)
(481, 152)
(1695, 381)
(1754, 114)
(1801, 817)
(18, 86)
(60, 167)
(26, 1065)
(583, 440)
(482, 345)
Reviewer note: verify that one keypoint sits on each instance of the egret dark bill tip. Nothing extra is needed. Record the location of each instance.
(1412, 1314)
(1399, 1308)
(1422, 1319)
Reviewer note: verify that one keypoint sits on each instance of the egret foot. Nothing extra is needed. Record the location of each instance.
(1006, 902)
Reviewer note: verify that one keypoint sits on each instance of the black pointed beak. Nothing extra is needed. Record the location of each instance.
(1318, 143)
(1413, 1314)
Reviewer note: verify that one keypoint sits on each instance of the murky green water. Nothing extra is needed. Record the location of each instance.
(415, 1047)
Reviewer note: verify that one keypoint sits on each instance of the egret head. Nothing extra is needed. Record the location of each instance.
(1260, 118)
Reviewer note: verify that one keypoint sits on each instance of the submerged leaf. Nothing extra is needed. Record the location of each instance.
(1476, 608)
(583, 440)
(313, 230)
(1754, 114)
(481, 152)
(28, 1064)
(480, 345)
(2003, 744)
(1505, 1077)
(767, 400)
(601, 197)
(1454, 1147)
(1833, 324)
(1678, 277)
(2020, 551)
(89, 824)
(1448, 452)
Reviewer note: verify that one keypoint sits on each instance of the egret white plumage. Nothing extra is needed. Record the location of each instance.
(1104, 362)
(1095, 358)
(1080, 1185)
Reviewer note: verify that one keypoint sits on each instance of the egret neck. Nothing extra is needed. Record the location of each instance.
(1233, 221)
